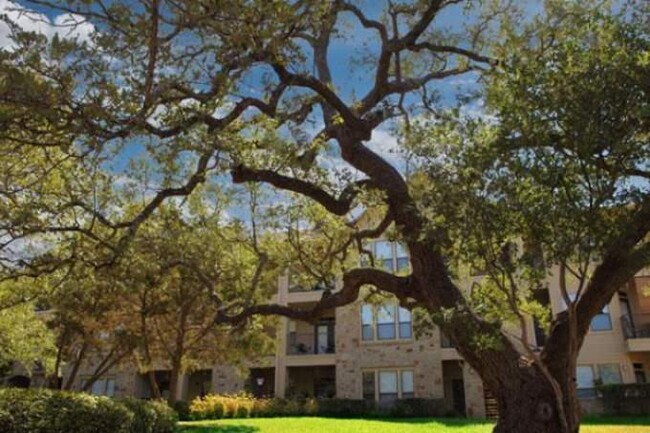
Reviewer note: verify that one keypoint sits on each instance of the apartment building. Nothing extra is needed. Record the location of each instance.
(370, 351)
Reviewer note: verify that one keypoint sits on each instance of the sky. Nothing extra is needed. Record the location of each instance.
(350, 80)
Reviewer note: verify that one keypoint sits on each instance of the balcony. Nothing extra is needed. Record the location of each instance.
(310, 343)
(299, 294)
(636, 329)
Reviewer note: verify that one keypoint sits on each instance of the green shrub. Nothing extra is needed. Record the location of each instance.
(182, 409)
(261, 407)
(346, 408)
(626, 399)
(243, 406)
(46, 411)
(417, 408)
(150, 416)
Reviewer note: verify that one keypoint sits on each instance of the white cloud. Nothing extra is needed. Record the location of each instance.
(477, 110)
(68, 26)
(385, 144)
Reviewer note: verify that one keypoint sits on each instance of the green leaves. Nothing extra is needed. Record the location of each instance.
(557, 163)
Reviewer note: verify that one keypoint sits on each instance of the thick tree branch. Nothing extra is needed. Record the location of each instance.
(338, 206)
(352, 283)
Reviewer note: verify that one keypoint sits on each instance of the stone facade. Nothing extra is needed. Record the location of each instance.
(354, 355)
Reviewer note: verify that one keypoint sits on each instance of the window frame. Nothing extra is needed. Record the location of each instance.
(397, 251)
(588, 392)
(600, 367)
(397, 323)
(104, 391)
(604, 312)
(399, 372)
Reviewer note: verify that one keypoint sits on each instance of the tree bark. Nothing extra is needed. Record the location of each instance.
(153, 384)
(528, 405)
(173, 383)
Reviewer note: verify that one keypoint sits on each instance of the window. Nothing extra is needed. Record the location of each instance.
(384, 255)
(101, 386)
(407, 384)
(385, 322)
(609, 374)
(585, 381)
(386, 386)
(388, 255)
(639, 373)
(405, 330)
(602, 321)
(368, 385)
(401, 258)
(367, 322)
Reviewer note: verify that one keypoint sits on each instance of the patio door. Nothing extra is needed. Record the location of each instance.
(324, 335)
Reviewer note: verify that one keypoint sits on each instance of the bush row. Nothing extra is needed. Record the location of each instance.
(217, 406)
(47, 411)
(626, 399)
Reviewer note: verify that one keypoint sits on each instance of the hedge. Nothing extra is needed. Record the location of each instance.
(626, 399)
(48, 411)
(217, 406)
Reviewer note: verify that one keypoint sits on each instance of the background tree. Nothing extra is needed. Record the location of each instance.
(25, 341)
(177, 273)
(185, 91)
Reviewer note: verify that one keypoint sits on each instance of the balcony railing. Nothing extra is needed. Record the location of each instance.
(309, 344)
(314, 288)
(636, 325)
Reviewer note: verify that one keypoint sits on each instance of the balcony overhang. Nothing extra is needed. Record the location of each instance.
(638, 344)
(311, 360)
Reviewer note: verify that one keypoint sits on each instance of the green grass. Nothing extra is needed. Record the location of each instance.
(417, 425)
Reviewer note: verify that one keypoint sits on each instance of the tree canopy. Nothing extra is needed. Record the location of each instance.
(161, 99)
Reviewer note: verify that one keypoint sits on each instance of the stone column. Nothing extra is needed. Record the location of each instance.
(474, 396)
(281, 340)
(183, 386)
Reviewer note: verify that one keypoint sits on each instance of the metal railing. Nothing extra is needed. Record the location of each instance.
(636, 325)
(307, 344)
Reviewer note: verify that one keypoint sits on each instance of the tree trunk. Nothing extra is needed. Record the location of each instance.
(173, 383)
(529, 405)
(75, 367)
(153, 384)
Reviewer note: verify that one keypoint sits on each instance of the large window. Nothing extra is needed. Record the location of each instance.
(390, 256)
(609, 374)
(104, 386)
(407, 384)
(405, 328)
(585, 381)
(586, 378)
(388, 385)
(388, 389)
(602, 321)
(385, 322)
(367, 322)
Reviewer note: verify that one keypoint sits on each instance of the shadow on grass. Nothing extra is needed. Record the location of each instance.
(219, 429)
(447, 422)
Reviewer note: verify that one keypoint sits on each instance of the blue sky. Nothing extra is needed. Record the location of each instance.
(351, 81)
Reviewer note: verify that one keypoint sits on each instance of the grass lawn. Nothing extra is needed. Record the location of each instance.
(330, 425)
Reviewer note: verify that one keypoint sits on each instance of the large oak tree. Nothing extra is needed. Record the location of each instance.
(187, 91)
